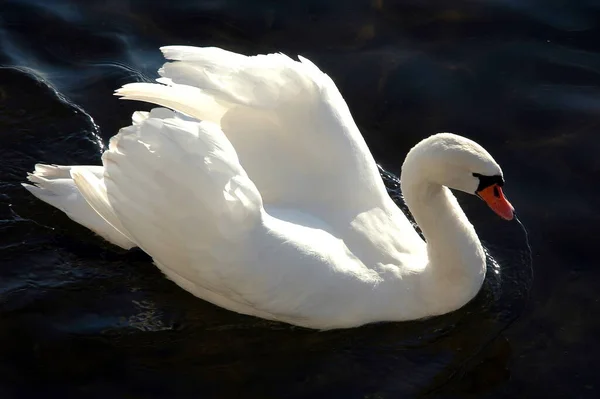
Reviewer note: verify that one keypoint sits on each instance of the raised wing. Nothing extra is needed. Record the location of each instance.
(290, 126)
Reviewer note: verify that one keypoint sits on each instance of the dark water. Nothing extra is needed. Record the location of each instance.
(81, 319)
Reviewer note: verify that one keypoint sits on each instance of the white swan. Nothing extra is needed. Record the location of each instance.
(255, 191)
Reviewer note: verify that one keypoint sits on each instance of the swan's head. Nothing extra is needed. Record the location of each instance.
(461, 164)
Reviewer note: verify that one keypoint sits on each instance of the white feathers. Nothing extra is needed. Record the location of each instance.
(263, 81)
(179, 190)
(289, 124)
(54, 185)
(94, 191)
(186, 99)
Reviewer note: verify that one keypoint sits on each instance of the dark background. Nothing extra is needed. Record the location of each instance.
(79, 318)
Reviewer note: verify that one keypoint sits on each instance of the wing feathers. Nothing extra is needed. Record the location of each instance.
(186, 99)
(178, 184)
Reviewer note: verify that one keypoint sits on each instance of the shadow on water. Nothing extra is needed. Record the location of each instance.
(82, 318)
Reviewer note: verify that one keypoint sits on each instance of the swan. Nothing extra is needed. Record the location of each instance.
(251, 187)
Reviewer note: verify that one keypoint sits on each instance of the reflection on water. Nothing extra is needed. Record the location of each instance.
(81, 318)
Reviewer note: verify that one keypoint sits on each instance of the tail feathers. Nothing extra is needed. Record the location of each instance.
(54, 185)
(94, 192)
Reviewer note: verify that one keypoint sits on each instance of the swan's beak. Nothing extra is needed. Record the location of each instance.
(494, 197)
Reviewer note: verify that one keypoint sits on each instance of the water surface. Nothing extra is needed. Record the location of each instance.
(80, 318)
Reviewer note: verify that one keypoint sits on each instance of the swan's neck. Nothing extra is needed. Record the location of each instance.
(456, 261)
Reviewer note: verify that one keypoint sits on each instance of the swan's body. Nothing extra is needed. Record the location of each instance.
(264, 198)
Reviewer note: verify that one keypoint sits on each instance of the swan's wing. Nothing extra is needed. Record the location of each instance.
(176, 187)
(288, 122)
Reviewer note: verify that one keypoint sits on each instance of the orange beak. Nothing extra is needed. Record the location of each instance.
(494, 197)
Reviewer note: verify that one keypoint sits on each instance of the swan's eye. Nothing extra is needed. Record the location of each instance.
(488, 181)
(496, 192)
